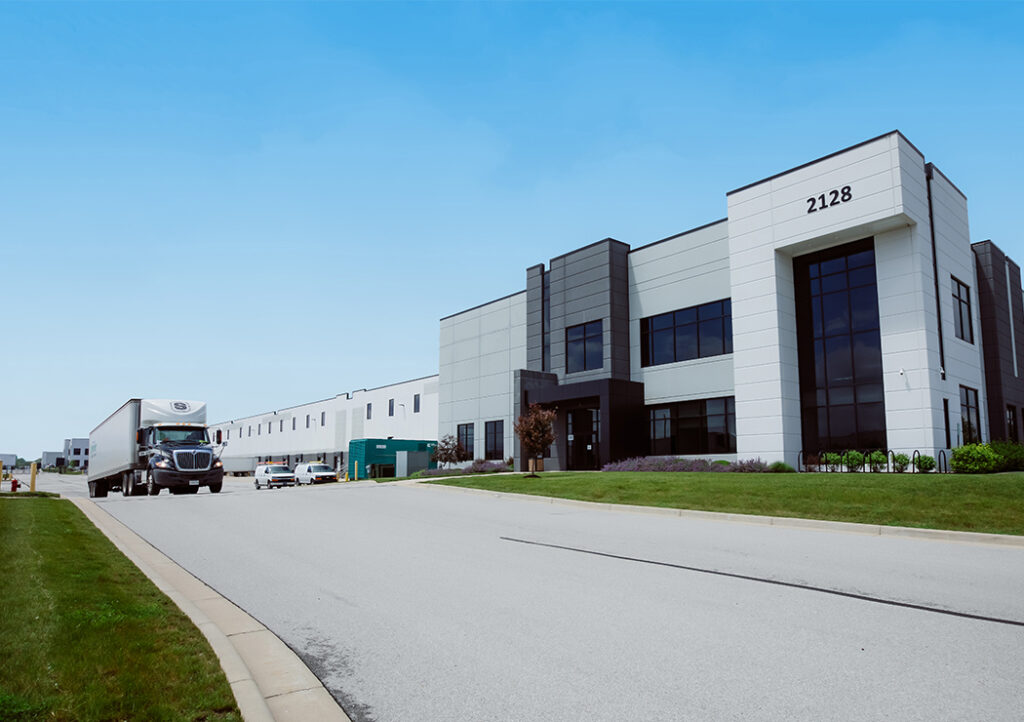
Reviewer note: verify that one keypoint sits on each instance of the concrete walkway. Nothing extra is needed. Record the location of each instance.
(268, 679)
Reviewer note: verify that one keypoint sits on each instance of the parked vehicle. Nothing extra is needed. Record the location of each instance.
(314, 473)
(271, 475)
(152, 444)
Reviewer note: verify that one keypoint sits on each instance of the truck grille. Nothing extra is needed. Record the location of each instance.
(193, 460)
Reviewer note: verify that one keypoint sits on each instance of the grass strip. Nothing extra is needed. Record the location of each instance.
(990, 503)
(84, 635)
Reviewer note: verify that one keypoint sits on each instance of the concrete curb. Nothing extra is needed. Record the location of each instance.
(783, 521)
(269, 681)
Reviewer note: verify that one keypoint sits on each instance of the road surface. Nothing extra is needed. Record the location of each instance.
(419, 603)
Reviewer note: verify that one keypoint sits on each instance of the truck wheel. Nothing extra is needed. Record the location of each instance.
(92, 489)
(151, 488)
(215, 488)
(257, 483)
(128, 483)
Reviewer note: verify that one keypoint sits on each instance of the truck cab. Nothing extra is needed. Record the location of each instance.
(180, 457)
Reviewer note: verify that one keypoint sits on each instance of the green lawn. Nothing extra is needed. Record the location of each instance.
(84, 635)
(963, 502)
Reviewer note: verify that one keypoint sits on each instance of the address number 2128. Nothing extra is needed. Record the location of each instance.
(829, 199)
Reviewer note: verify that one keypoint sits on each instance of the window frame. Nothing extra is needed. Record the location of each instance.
(969, 403)
(464, 435)
(680, 326)
(588, 332)
(670, 425)
(494, 440)
(961, 308)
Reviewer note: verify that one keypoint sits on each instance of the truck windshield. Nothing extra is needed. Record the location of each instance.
(181, 435)
(320, 467)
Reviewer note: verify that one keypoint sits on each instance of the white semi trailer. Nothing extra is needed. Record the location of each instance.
(151, 444)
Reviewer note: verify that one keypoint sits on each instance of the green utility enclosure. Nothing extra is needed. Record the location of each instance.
(376, 457)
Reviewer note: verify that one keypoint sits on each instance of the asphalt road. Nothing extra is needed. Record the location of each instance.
(418, 603)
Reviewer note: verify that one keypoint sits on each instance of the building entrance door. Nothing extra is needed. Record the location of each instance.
(583, 430)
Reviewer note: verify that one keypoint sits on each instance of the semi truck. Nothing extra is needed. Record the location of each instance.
(153, 444)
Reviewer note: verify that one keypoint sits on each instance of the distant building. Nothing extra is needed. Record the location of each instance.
(76, 453)
(49, 458)
(9, 460)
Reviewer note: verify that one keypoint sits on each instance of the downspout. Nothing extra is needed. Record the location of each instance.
(935, 271)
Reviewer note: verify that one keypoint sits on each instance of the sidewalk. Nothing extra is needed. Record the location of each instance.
(269, 681)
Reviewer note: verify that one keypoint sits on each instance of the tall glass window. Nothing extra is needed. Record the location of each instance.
(970, 417)
(963, 326)
(584, 347)
(840, 349)
(1011, 423)
(494, 444)
(465, 437)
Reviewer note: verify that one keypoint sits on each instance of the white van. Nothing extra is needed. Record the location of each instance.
(271, 475)
(314, 472)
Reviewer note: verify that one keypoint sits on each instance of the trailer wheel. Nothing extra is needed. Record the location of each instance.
(92, 489)
(215, 488)
(128, 483)
(151, 488)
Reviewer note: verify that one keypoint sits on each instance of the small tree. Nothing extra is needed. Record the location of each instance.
(535, 430)
(450, 451)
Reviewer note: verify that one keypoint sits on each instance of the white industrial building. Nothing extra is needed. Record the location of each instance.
(76, 453)
(49, 459)
(836, 306)
(322, 430)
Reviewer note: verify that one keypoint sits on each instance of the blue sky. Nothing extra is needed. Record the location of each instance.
(260, 205)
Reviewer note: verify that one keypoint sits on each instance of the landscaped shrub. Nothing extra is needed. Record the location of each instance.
(781, 467)
(1012, 455)
(670, 463)
(900, 462)
(925, 463)
(975, 459)
(833, 460)
(750, 465)
(664, 463)
(876, 460)
(853, 460)
(479, 466)
(438, 472)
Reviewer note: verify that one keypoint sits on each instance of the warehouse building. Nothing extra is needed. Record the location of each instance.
(76, 453)
(838, 305)
(322, 430)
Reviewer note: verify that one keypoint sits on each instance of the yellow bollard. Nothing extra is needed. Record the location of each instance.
(357, 472)
(32, 482)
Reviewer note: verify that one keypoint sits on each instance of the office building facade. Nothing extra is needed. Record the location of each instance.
(838, 305)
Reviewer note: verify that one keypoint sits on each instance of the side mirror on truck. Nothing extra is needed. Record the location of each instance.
(218, 436)
(140, 436)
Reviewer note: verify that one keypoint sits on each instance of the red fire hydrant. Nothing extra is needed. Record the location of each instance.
(14, 484)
